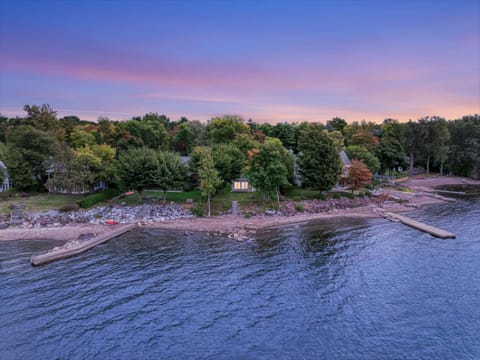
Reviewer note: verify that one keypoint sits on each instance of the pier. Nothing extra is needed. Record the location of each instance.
(76, 247)
(419, 225)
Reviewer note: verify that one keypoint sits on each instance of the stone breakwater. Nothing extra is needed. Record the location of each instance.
(144, 214)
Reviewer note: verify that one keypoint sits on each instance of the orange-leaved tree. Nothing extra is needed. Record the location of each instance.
(358, 175)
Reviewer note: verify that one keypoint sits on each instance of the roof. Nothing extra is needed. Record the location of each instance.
(345, 159)
(2, 165)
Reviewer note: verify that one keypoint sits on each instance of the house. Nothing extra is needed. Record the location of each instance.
(346, 163)
(5, 184)
(60, 182)
(242, 185)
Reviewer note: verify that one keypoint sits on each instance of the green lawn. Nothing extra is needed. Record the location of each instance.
(42, 202)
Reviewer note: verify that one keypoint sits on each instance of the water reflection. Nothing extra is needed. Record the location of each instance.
(370, 288)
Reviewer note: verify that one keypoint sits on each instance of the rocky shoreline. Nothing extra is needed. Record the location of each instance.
(73, 225)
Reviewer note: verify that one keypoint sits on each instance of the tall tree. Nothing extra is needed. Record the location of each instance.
(226, 128)
(319, 162)
(391, 154)
(365, 156)
(412, 142)
(209, 179)
(138, 168)
(172, 172)
(266, 167)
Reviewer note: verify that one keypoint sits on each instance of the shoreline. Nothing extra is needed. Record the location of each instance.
(240, 227)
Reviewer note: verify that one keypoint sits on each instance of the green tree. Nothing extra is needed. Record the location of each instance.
(172, 172)
(266, 167)
(412, 142)
(435, 135)
(336, 124)
(226, 128)
(19, 170)
(391, 154)
(464, 154)
(319, 162)
(228, 161)
(35, 146)
(41, 117)
(360, 153)
(184, 137)
(138, 168)
(208, 175)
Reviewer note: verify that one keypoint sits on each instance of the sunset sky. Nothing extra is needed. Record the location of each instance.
(266, 60)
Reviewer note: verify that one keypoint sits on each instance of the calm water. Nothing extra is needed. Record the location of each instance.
(346, 289)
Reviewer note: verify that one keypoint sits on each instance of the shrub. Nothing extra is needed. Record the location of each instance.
(348, 195)
(368, 193)
(336, 196)
(299, 207)
(69, 207)
(247, 215)
(93, 199)
(197, 210)
(323, 196)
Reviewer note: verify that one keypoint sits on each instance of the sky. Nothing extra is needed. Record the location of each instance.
(268, 60)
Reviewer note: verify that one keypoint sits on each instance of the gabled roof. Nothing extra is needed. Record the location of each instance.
(345, 159)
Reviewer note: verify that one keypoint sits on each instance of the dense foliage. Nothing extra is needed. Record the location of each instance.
(43, 152)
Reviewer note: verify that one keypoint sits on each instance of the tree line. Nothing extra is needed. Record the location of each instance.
(43, 151)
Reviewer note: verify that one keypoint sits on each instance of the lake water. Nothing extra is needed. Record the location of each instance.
(347, 289)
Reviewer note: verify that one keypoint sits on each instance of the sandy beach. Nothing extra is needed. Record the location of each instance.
(241, 226)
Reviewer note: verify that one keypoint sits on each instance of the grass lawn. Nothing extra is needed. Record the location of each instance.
(295, 193)
(41, 202)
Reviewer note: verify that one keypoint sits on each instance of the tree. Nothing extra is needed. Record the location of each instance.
(208, 175)
(412, 142)
(172, 172)
(138, 168)
(319, 162)
(435, 138)
(337, 138)
(336, 124)
(360, 153)
(358, 175)
(41, 117)
(390, 153)
(226, 128)
(286, 133)
(464, 154)
(19, 169)
(184, 138)
(228, 161)
(266, 167)
(35, 147)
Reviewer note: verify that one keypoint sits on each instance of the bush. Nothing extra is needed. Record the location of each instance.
(93, 199)
(69, 207)
(197, 210)
(348, 195)
(368, 193)
(323, 196)
(336, 196)
(299, 207)
(247, 215)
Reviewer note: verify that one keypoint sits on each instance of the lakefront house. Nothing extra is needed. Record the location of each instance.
(5, 184)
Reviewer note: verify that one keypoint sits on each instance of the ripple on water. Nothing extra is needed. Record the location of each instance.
(342, 288)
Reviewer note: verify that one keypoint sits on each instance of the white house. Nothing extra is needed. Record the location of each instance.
(5, 185)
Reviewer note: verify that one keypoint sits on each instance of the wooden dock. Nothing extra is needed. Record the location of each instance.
(418, 225)
(79, 246)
